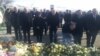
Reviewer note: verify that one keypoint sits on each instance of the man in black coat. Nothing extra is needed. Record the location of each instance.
(19, 18)
(38, 25)
(15, 22)
(44, 15)
(33, 14)
(92, 27)
(67, 16)
(53, 23)
(67, 30)
(78, 32)
(61, 15)
(26, 25)
(7, 16)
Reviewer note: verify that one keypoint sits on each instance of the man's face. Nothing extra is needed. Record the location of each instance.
(79, 12)
(94, 11)
(53, 12)
(40, 14)
(83, 13)
(25, 10)
(89, 12)
(34, 9)
(14, 8)
(66, 11)
(70, 11)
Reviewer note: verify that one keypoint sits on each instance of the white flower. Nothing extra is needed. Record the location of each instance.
(78, 52)
(0, 47)
(93, 49)
(13, 49)
(20, 52)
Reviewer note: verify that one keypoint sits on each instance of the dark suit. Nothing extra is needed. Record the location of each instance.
(38, 25)
(92, 28)
(7, 16)
(61, 15)
(26, 25)
(53, 23)
(33, 16)
(44, 15)
(78, 32)
(15, 23)
(67, 17)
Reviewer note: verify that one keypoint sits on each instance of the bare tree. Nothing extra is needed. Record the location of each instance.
(5, 2)
(1, 1)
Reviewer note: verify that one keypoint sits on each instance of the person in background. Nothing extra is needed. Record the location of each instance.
(19, 19)
(7, 16)
(67, 32)
(26, 25)
(44, 15)
(92, 27)
(15, 22)
(78, 31)
(53, 23)
(34, 14)
(67, 16)
(38, 25)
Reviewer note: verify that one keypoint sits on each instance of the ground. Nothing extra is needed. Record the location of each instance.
(46, 39)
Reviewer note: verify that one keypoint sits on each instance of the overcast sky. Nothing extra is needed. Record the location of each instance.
(60, 4)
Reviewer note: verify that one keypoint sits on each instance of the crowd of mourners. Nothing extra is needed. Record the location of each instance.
(41, 21)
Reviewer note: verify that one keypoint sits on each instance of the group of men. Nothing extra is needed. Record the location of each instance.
(24, 20)
(88, 22)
